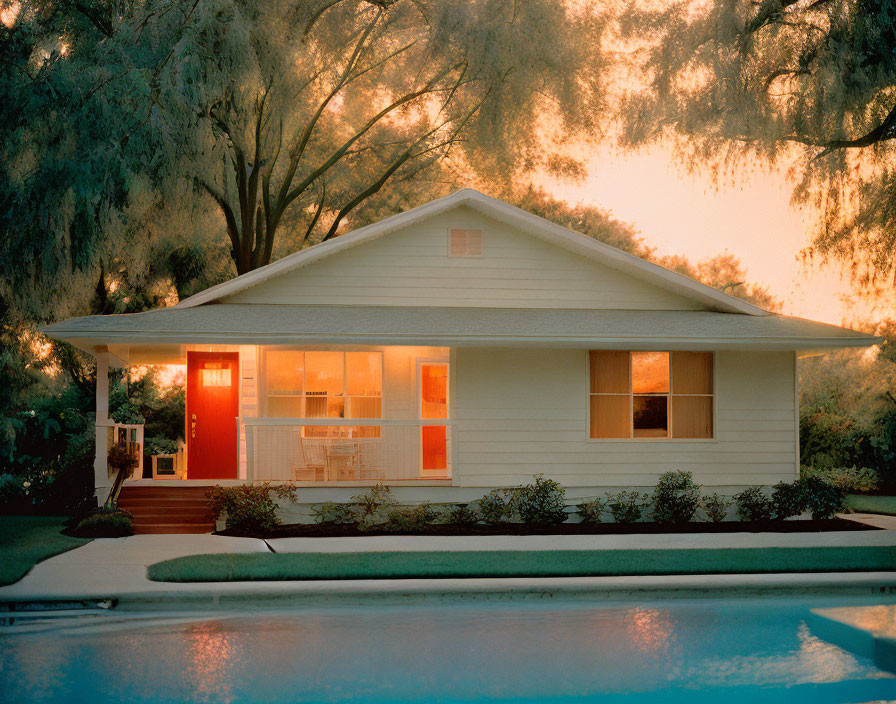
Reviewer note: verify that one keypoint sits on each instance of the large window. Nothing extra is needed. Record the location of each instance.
(650, 394)
(324, 384)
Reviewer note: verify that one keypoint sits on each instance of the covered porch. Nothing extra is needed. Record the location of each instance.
(322, 415)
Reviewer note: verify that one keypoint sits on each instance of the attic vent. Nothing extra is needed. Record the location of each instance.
(464, 243)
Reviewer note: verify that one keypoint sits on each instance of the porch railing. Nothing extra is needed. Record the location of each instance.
(346, 450)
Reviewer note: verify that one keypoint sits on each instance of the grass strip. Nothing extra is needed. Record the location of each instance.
(872, 504)
(229, 567)
(26, 540)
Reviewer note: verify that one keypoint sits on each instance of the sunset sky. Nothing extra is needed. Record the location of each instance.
(679, 213)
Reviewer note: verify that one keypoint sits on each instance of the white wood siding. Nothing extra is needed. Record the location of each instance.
(412, 267)
(519, 412)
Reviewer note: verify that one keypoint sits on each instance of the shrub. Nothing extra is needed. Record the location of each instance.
(496, 506)
(675, 498)
(106, 523)
(753, 504)
(460, 515)
(542, 503)
(159, 445)
(788, 499)
(335, 514)
(591, 511)
(822, 499)
(847, 479)
(371, 509)
(716, 507)
(250, 507)
(407, 519)
(13, 496)
(626, 506)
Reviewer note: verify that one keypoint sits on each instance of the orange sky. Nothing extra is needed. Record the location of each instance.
(678, 213)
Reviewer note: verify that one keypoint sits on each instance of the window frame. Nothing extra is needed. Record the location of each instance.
(264, 395)
(670, 395)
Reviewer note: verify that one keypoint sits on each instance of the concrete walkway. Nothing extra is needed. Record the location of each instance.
(115, 570)
(878, 520)
(108, 566)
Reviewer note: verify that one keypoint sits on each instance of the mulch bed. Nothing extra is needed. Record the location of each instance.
(304, 530)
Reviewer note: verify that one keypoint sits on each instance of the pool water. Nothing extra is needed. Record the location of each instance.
(719, 651)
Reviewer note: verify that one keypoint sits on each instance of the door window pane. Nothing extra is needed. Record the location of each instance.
(650, 416)
(434, 391)
(435, 446)
(650, 372)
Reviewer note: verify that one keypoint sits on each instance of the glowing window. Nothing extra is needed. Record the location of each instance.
(651, 394)
(215, 375)
(324, 384)
(434, 391)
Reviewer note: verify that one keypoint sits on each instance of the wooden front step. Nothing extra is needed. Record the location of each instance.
(166, 509)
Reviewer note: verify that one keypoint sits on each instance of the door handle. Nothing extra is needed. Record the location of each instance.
(193, 427)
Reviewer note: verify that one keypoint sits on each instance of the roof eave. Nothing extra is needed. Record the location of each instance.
(87, 340)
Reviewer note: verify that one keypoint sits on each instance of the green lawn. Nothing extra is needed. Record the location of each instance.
(872, 504)
(565, 563)
(26, 540)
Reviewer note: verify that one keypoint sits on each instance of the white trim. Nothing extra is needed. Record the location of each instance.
(347, 422)
(504, 212)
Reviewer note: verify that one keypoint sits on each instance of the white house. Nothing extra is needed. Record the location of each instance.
(463, 345)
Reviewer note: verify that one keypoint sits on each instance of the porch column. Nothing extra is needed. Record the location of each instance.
(101, 482)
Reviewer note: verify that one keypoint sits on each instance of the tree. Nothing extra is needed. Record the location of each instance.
(812, 82)
(726, 273)
(132, 129)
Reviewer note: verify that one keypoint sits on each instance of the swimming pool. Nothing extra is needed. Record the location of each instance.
(719, 651)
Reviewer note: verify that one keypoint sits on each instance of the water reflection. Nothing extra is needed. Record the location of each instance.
(650, 630)
(473, 653)
(212, 660)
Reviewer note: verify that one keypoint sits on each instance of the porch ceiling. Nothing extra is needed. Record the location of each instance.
(159, 333)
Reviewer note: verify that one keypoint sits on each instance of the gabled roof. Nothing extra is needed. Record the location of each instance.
(503, 212)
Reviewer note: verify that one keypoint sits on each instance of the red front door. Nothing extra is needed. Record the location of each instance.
(212, 409)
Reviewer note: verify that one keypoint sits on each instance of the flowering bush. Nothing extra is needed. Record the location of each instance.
(591, 511)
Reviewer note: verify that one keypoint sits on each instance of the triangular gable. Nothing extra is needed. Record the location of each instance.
(619, 280)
